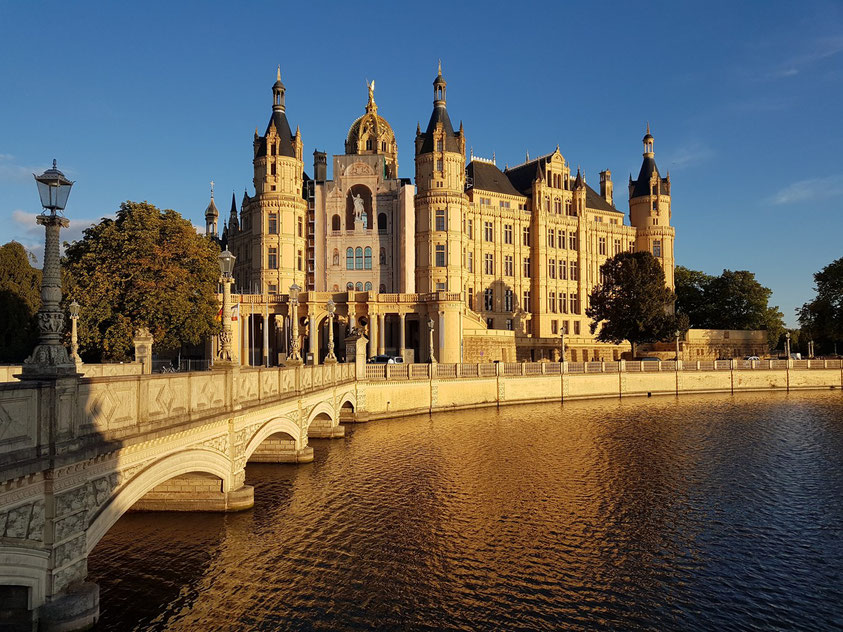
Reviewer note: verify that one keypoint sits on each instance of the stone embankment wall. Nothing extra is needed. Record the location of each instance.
(430, 388)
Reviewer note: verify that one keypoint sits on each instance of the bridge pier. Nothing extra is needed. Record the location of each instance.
(196, 492)
(324, 426)
(281, 448)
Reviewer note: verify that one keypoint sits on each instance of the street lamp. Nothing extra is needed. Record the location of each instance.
(331, 307)
(787, 343)
(677, 333)
(430, 325)
(295, 357)
(562, 337)
(74, 342)
(226, 263)
(49, 358)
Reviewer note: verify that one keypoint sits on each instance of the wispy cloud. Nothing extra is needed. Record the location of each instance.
(818, 50)
(31, 235)
(11, 171)
(688, 155)
(810, 189)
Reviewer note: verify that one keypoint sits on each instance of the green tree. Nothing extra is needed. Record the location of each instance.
(633, 303)
(20, 299)
(148, 267)
(733, 300)
(822, 318)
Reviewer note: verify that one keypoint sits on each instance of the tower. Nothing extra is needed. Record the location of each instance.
(372, 135)
(211, 216)
(272, 228)
(440, 198)
(649, 210)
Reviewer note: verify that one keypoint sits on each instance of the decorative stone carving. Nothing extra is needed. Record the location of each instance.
(218, 443)
(70, 525)
(359, 169)
(70, 550)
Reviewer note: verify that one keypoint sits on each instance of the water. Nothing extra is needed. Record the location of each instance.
(698, 513)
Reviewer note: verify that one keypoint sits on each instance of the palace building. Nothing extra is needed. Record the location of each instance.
(469, 263)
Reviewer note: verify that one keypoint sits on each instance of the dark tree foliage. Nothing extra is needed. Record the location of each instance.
(20, 299)
(822, 318)
(148, 267)
(733, 300)
(633, 303)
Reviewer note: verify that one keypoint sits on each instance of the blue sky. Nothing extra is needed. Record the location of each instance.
(151, 101)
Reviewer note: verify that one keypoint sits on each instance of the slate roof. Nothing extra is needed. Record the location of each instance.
(487, 177)
(642, 184)
(285, 136)
(440, 115)
(597, 202)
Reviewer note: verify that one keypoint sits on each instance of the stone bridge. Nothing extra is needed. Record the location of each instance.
(77, 453)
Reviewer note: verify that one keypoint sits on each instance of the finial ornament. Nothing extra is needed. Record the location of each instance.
(440, 67)
(212, 189)
(278, 76)
(648, 127)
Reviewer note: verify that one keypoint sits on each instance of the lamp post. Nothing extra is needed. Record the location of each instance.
(49, 358)
(295, 357)
(331, 307)
(430, 325)
(677, 333)
(226, 262)
(787, 345)
(562, 338)
(74, 342)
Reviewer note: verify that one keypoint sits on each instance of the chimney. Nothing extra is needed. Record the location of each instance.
(320, 166)
(606, 186)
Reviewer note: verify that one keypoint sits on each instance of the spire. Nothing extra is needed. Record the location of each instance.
(579, 183)
(371, 106)
(278, 93)
(233, 212)
(418, 128)
(648, 143)
(439, 85)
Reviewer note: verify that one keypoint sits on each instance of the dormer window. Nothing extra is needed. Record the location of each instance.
(439, 145)
(369, 143)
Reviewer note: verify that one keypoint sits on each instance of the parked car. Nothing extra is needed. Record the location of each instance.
(398, 360)
(381, 359)
(752, 358)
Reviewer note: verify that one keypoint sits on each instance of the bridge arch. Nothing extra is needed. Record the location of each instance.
(183, 462)
(273, 426)
(322, 410)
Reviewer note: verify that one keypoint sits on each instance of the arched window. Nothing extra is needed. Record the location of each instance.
(359, 286)
(349, 259)
(336, 259)
(349, 286)
(368, 286)
(383, 256)
(382, 222)
(358, 258)
(368, 143)
(335, 222)
(368, 258)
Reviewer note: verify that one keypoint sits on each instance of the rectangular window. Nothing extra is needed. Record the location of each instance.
(470, 261)
(565, 327)
(508, 267)
(489, 299)
(551, 268)
(300, 261)
(301, 227)
(441, 287)
(507, 233)
(576, 328)
(617, 246)
(273, 289)
(272, 259)
(469, 229)
(572, 240)
(440, 255)
(563, 302)
(575, 271)
(490, 323)
(563, 270)
(561, 238)
(551, 238)
(471, 298)
(575, 304)
(526, 301)
(489, 263)
(657, 247)
(441, 222)
(601, 245)
(507, 300)
(525, 236)
(273, 223)
(488, 231)
(509, 324)
(439, 145)
(440, 166)
(526, 267)
(551, 302)
(554, 326)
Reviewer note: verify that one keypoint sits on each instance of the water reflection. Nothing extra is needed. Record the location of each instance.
(701, 512)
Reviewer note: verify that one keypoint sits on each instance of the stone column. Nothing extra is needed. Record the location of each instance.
(381, 334)
(402, 342)
(313, 345)
(373, 334)
(143, 349)
(352, 317)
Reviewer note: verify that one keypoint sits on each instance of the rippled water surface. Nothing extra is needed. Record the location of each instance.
(715, 513)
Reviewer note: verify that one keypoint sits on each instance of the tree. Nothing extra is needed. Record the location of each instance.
(148, 268)
(733, 300)
(20, 299)
(633, 303)
(822, 318)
